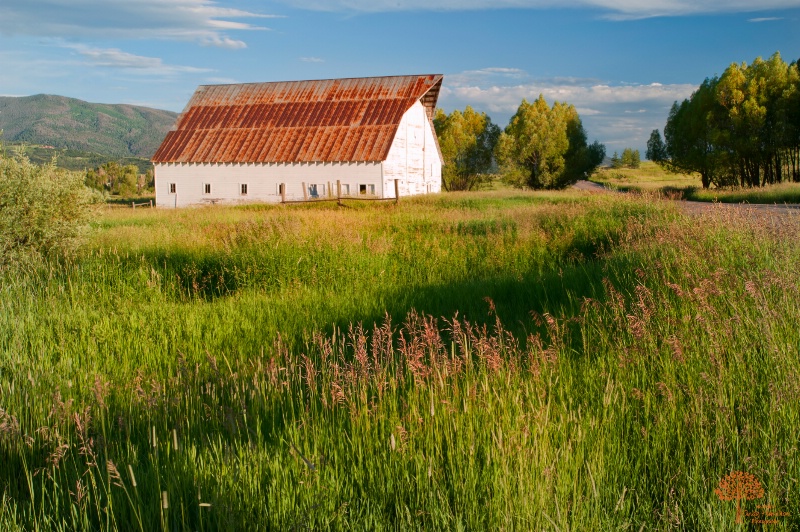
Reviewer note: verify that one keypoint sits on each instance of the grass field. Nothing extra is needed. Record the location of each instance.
(498, 360)
(652, 178)
(649, 177)
(780, 193)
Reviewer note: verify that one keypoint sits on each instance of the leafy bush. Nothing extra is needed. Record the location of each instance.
(44, 211)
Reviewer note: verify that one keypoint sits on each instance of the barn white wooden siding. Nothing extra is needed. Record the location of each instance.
(262, 180)
(414, 156)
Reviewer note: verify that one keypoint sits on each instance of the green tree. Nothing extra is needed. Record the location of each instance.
(656, 149)
(580, 159)
(741, 128)
(545, 147)
(616, 162)
(630, 158)
(688, 134)
(467, 141)
(97, 180)
(148, 181)
(115, 178)
(751, 125)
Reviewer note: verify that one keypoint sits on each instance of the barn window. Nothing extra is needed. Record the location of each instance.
(362, 189)
(345, 190)
(244, 189)
(280, 189)
(312, 191)
(172, 188)
(207, 188)
(371, 189)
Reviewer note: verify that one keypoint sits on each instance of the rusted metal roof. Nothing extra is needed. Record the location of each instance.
(335, 120)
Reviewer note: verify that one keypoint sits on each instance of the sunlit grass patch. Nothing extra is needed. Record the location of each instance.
(769, 194)
(649, 177)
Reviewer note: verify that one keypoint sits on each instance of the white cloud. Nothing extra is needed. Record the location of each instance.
(201, 21)
(764, 19)
(618, 114)
(116, 58)
(222, 42)
(506, 98)
(312, 60)
(615, 8)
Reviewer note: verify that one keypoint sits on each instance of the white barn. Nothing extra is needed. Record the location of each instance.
(266, 141)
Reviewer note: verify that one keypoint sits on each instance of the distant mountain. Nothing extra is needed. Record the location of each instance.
(60, 122)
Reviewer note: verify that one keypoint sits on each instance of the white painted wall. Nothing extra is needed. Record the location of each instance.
(262, 181)
(413, 158)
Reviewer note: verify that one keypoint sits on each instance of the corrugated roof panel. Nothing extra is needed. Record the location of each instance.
(366, 138)
(339, 120)
(248, 151)
(262, 148)
(339, 146)
(314, 146)
(353, 140)
(201, 148)
(295, 144)
(244, 141)
(334, 144)
(279, 140)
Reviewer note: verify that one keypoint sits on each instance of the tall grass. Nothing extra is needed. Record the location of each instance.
(495, 361)
(769, 194)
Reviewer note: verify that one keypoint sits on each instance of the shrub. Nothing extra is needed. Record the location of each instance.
(44, 211)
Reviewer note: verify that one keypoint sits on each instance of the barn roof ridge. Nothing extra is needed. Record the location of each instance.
(354, 78)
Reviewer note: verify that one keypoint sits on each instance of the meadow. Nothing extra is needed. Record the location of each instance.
(778, 193)
(651, 178)
(479, 361)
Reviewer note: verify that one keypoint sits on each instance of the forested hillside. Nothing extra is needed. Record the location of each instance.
(112, 130)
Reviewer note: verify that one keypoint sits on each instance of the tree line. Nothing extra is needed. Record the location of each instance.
(741, 128)
(630, 159)
(543, 147)
(118, 179)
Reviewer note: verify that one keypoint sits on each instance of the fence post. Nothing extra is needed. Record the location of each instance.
(396, 190)
(330, 190)
(283, 192)
(305, 192)
(133, 205)
(151, 204)
(338, 192)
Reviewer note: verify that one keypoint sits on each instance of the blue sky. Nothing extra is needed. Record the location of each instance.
(621, 63)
